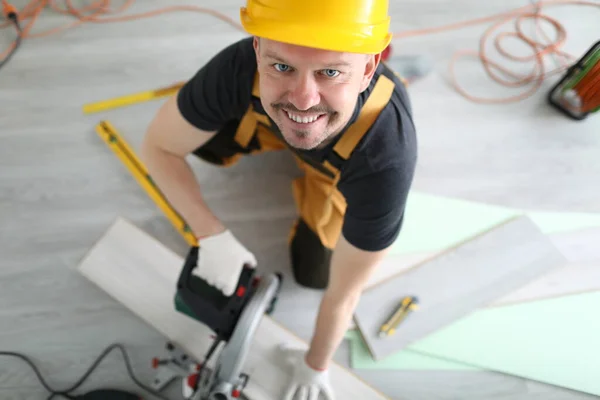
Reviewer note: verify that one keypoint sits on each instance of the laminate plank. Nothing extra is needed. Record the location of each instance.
(580, 246)
(456, 283)
(581, 272)
(138, 271)
(569, 280)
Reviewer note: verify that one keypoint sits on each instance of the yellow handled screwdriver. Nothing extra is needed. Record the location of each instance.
(407, 305)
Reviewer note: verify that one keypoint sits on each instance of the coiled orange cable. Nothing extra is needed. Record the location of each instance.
(100, 11)
(8, 9)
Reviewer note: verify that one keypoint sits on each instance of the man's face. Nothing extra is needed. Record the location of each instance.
(310, 93)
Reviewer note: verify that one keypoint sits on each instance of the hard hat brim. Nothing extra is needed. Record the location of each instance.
(358, 39)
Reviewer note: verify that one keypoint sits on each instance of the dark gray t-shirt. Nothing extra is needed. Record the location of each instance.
(375, 181)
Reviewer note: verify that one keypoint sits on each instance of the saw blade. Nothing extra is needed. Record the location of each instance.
(227, 374)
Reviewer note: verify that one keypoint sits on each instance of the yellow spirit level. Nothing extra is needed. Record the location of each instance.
(130, 99)
(125, 153)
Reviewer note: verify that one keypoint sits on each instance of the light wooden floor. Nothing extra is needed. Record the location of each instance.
(61, 187)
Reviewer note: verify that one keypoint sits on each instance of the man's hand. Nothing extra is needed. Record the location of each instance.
(306, 382)
(221, 258)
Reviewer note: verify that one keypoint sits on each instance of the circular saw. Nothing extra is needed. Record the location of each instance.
(233, 320)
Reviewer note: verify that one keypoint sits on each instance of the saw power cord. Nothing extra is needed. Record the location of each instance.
(102, 11)
(67, 392)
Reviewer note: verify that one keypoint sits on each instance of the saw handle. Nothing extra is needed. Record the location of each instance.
(207, 304)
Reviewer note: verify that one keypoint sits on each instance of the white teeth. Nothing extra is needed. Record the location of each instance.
(302, 120)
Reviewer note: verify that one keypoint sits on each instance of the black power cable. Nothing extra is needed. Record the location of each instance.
(67, 392)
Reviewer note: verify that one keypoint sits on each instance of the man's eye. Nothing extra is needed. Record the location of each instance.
(331, 73)
(281, 67)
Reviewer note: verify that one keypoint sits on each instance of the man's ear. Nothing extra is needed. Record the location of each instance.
(370, 68)
(256, 45)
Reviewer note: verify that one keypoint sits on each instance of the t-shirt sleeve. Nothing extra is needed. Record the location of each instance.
(375, 209)
(221, 90)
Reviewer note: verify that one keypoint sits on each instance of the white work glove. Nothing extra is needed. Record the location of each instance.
(306, 383)
(221, 258)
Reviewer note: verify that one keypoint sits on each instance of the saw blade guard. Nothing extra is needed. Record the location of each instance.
(233, 355)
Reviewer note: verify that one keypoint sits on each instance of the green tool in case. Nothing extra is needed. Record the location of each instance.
(577, 94)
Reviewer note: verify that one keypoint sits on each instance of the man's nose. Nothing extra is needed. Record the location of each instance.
(305, 92)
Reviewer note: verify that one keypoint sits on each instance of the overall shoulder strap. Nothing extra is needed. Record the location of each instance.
(262, 118)
(378, 99)
(255, 85)
(247, 125)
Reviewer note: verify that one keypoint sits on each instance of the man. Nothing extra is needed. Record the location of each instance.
(310, 80)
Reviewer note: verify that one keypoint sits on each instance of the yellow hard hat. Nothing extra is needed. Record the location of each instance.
(353, 26)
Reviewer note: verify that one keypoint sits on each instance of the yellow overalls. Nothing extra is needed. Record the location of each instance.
(320, 204)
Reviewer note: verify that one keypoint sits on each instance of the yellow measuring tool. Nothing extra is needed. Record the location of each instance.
(132, 98)
(124, 152)
(407, 305)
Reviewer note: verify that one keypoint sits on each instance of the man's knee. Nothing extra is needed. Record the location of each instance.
(309, 258)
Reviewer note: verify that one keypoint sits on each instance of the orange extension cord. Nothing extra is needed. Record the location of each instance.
(100, 11)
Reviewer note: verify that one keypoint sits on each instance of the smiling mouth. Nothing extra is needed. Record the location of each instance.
(303, 119)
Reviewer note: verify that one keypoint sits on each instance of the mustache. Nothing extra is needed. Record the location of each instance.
(312, 110)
